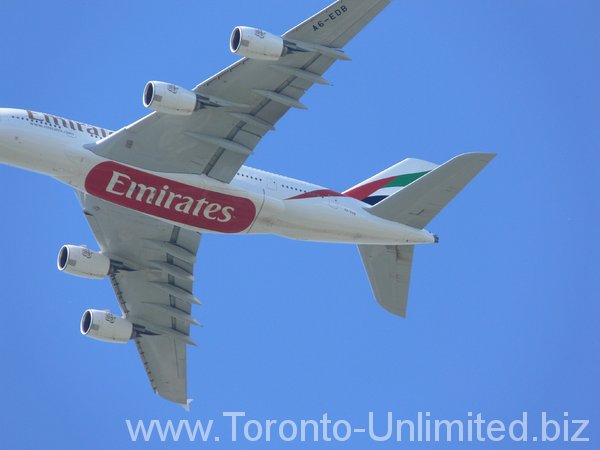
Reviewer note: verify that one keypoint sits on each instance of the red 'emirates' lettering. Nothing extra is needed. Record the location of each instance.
(169, 199)
(122, 185)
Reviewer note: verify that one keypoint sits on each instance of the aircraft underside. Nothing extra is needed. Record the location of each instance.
(149, 190)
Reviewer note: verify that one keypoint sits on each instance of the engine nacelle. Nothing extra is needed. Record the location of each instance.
(82, 262)
(167, 98)
(257, 44)
(106, 327)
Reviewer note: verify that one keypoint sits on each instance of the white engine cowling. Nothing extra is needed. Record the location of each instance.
(257, 44)
(82, 262)
(106, 327)
(168, 98)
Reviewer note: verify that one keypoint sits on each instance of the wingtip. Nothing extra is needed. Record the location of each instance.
(186, 405)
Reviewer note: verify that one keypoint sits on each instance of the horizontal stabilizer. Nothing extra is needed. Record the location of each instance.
(419, 202)
(389, 268)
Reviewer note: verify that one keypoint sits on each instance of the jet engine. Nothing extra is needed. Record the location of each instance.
(106, 327)
(257, 44)
(82, 262)
(170, 99)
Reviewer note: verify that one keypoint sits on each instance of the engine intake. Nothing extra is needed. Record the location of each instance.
(168, 98)
(257, 44)
(82, 262)
(106, 327)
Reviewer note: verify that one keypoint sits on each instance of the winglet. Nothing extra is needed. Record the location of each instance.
(186, 405)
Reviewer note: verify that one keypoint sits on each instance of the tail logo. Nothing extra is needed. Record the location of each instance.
(374, 192)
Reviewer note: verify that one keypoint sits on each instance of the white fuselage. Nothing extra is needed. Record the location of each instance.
(255, 202)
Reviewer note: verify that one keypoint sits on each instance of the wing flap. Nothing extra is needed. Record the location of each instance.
(165, 361)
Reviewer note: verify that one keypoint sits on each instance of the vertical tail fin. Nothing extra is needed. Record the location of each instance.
(389, 267)
(423, 199)
(390, 181)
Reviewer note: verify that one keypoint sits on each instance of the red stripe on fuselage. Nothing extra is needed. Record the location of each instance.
(168, 199)
(315, 194)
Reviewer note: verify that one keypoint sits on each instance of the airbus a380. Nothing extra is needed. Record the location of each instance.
(152, 188)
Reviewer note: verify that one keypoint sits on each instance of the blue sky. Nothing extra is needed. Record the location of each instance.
(503, 314)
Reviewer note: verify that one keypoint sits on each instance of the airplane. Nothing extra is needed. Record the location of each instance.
(151, 189)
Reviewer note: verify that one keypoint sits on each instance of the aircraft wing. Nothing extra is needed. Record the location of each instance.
(153, 280)
(244, 101)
